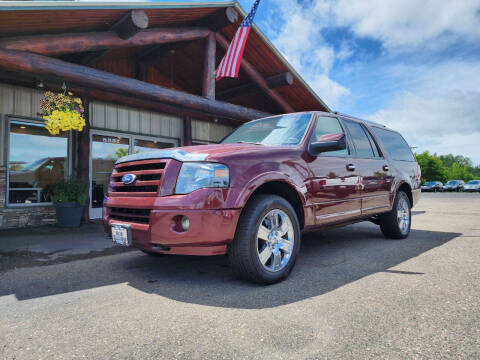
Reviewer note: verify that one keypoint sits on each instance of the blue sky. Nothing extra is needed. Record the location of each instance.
(413, 65)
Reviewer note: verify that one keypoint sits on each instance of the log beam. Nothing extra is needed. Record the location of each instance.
(93, 94)
(39, 65)
(208, 89)
(94, 41)
(131, 23)
(257, 78)
(273, 82)
(220, 19)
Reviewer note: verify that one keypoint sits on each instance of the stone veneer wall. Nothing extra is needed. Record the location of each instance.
(24, 216)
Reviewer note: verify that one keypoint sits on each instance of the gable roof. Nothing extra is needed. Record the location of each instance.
(24, 18)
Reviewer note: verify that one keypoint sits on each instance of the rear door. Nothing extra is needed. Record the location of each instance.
(373, 168)
(334, 186)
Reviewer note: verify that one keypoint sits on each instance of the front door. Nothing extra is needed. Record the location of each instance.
(335, 184)
(106, 148)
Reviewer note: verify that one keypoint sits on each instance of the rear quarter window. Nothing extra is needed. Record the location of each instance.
(395, 144)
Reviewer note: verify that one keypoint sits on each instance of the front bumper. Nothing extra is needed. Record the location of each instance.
(209, 233)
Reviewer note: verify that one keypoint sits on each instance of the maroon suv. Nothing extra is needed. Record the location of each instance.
(254, 194)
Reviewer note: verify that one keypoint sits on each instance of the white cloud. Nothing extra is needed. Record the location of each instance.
(440, 112)
(299, 39)
(404, 23)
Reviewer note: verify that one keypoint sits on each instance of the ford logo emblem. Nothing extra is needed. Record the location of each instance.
(129, 178)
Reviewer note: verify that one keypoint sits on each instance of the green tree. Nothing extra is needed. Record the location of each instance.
(432, 167)
(459, 172)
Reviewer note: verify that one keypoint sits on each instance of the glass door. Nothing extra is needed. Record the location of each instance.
(106, 148)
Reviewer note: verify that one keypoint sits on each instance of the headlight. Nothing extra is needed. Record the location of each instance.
(197, 175)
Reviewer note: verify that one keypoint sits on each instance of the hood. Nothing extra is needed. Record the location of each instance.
(198, 153)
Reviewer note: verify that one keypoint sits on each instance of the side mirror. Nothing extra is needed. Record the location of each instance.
(329, 142)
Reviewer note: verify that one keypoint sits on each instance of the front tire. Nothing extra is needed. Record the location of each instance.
(396, 224)
(267, 240)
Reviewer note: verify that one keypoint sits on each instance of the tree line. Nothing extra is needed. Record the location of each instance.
(447, 167)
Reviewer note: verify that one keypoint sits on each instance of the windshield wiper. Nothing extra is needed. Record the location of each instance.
(248, 142)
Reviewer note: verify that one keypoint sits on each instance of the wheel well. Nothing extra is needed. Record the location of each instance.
(285, 191)
(406, 188)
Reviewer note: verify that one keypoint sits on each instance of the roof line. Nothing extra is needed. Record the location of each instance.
(282, 58)
(72, 5)
(77, 5)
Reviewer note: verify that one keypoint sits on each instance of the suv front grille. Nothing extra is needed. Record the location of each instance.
(149, 176)
(130, 215)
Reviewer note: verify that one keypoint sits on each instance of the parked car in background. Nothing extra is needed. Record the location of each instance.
(252, 195)
(472, 185)
(433, 186)
(454, 185)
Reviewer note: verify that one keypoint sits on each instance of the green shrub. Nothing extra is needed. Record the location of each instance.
(70, 190)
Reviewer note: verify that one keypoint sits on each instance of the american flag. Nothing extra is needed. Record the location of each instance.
(230, 64)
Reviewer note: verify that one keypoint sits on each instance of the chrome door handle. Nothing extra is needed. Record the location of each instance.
(351, 167)
(386, 167)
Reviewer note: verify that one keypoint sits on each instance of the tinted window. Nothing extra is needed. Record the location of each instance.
(376, 152)
(395, 144)
(359, 139)
(277, 130)
(326, 126)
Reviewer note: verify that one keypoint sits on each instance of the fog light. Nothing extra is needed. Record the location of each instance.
(185, 223)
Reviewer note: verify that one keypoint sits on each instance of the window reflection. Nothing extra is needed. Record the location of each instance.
(106, 150)
(37, 160)
(148, 145)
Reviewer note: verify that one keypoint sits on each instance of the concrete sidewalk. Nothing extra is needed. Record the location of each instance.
(49, 244)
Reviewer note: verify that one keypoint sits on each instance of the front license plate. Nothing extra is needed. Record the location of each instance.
(122, 234)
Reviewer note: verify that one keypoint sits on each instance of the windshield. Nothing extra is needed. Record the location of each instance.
(430, 183)
(277, 130)
(451, 182)
(473, 182)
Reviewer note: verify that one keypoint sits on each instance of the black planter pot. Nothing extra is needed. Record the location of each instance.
(68, 214)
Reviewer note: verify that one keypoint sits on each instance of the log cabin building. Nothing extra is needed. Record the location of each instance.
(145, 73)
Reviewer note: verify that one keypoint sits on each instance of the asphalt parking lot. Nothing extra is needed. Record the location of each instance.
(353, 294)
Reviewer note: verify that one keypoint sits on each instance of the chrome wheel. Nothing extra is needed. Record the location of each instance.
(403, 215)
(275, 240)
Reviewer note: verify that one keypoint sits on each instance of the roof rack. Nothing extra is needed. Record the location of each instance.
(355, 118)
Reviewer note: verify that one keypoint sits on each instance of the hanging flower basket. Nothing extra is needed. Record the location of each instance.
(62, 112)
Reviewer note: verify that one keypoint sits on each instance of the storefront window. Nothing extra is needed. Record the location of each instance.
(148, 145)
(36, 161)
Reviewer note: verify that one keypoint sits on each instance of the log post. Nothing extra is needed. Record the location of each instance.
(131, 23)
(83, 156)
(29, 63)
(257, 78)
(209, 67)
(187, 131)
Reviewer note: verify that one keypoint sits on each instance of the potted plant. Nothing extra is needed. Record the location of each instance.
(68, 197)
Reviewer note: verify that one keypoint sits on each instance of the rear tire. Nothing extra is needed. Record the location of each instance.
(267, 240)
(396, 223)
